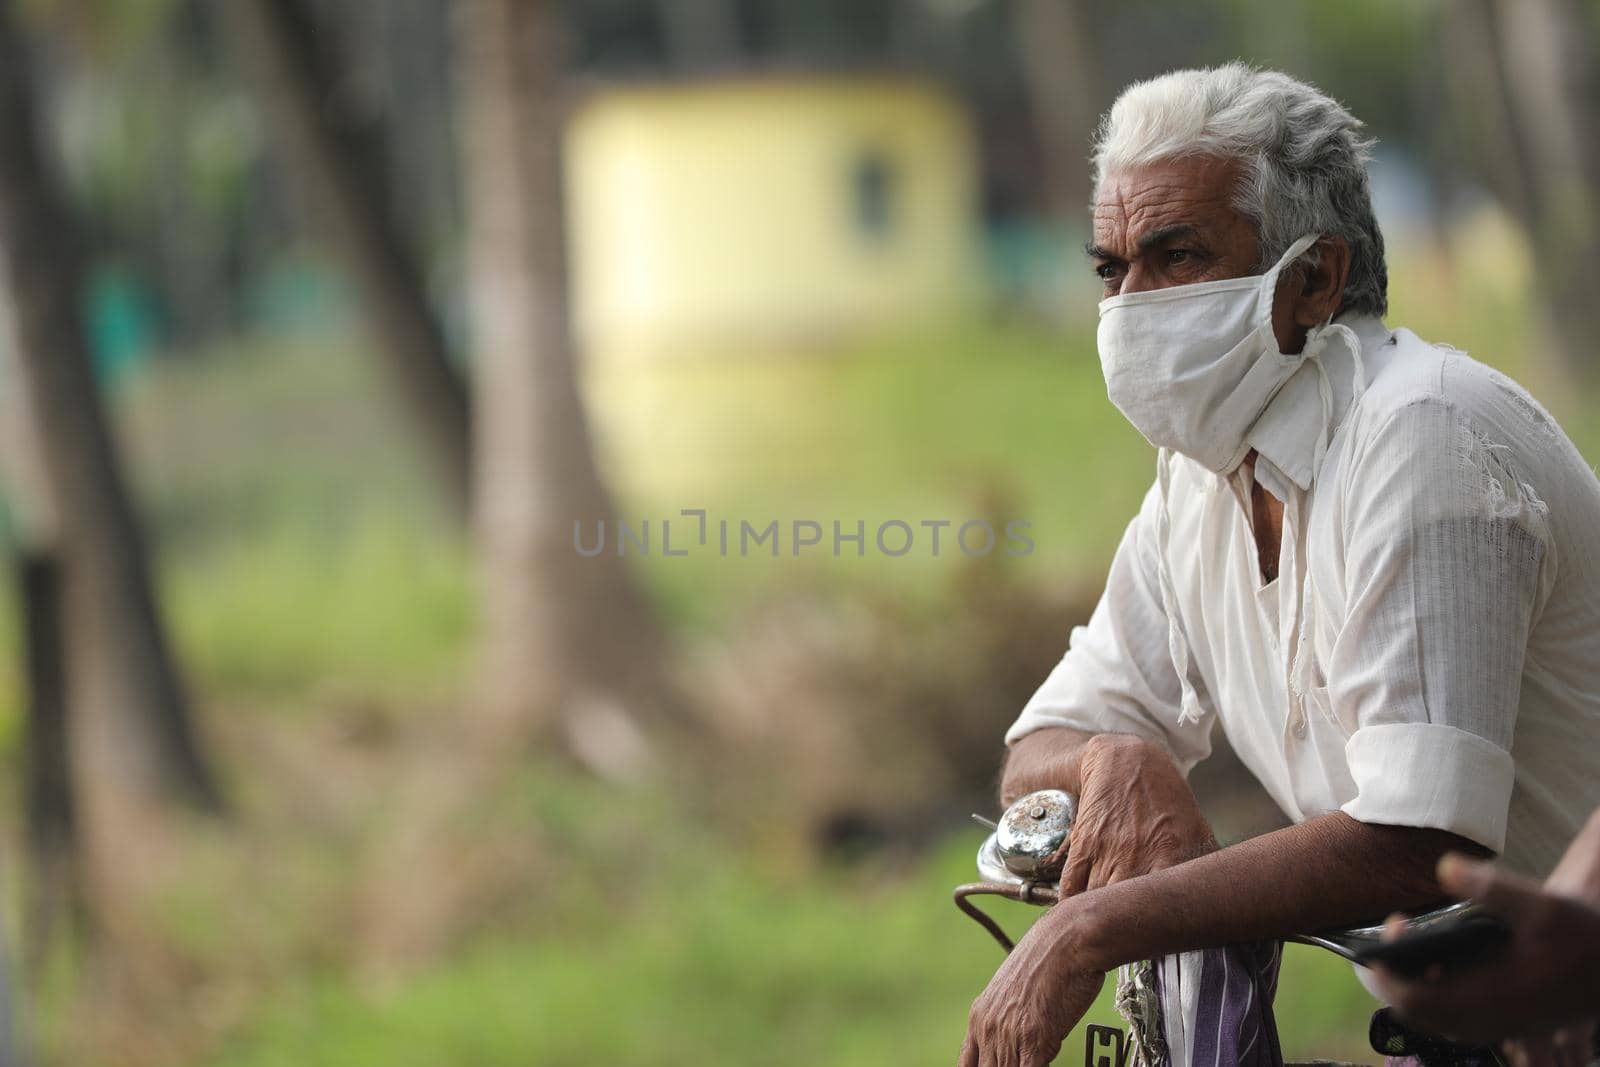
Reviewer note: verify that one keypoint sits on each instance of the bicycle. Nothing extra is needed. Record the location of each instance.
(1022, 858)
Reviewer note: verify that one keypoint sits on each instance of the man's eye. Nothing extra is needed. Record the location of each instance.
(1178, 255)
(1105, 271)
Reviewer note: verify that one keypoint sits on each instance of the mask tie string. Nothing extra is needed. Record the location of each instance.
(1189, 710)
(1316, 346)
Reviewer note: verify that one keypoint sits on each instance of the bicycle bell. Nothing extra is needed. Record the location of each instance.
(1026, 841)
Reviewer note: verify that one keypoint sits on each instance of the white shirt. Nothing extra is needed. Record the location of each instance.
(1445, 559)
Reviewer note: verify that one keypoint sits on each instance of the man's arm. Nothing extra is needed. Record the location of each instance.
(1046, 759)
(1327, 872)
(1116, 677)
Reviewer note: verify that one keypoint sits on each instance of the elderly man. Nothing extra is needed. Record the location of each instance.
(1373, 560)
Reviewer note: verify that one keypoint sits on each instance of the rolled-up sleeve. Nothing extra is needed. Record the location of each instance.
(1448, 556)
(1117, 674)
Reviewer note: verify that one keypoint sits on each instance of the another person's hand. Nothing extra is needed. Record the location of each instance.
(1569, 1046)
(1548, 978)
(1135, 815)
(1578, 873)
(1577, 876)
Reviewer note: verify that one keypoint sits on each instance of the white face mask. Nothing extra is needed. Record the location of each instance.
(1194, 366)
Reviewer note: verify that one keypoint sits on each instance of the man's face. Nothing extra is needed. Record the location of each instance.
(1174, 223)
(1170, 223)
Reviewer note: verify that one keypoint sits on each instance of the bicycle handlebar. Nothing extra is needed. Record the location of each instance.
(1022, 859)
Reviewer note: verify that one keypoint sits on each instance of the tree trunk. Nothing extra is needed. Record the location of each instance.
(54, 892)
(700, 34)
(1063, 88)
(568, 641)
(11, 1046)
(52, 886)
(124, 685)
(1540, 131)
(331, 150)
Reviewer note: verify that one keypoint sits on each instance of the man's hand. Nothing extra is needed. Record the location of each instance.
(1034, 999)
(1549, 976)
(1136, 814)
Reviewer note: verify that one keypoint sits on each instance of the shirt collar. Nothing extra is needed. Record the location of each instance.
(1287, 432)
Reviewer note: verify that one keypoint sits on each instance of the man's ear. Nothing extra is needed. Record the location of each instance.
(1322, 291)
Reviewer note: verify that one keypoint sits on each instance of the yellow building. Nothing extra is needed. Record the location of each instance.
(767, 212)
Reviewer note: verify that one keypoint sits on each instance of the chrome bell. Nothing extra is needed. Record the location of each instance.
(1026, 840)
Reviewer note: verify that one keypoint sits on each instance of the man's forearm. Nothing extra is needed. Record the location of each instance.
(1328, 872)
(1045, 759)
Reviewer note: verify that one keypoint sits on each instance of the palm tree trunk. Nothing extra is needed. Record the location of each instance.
(1058, 64)
(330, 150)
(565, 636)
(12, 1053)
(124, 685)
(700, 34)
(55, 893)
(1536, 108)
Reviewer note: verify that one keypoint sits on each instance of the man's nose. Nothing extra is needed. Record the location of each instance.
(1139, 279)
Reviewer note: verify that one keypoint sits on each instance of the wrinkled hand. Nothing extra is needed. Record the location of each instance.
(1545, 980)
(1033, 1001)
(1136, 814)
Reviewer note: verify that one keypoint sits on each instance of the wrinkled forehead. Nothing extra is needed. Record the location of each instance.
(1191, 192)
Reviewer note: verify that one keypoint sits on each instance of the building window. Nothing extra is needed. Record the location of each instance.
(874, 187)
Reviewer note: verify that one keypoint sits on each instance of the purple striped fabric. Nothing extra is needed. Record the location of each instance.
(1216, 1006)
(1216, 1011)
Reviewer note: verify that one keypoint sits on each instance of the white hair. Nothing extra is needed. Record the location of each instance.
(1305, 161)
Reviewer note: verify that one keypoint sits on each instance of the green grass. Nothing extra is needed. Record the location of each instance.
(379, 608)
(735, 966)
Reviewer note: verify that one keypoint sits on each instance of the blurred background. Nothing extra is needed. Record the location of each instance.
(327, 743)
